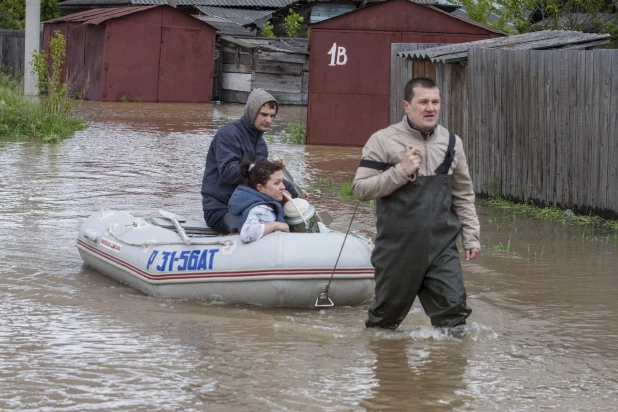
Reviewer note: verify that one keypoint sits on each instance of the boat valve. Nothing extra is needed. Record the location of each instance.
(323, 301)
(91, 234)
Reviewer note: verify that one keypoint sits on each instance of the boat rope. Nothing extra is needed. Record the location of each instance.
(341, 250)
(227, 243)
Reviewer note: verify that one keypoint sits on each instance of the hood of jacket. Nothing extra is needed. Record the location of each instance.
(245, 198)
(257, 98)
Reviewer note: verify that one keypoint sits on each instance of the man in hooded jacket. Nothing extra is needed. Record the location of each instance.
(241, 139)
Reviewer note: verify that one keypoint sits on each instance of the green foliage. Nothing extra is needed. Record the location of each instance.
(49, 70)
(13, 13)
(308, 32)
(555, 14)
(295, 134)
(267, 30)
(137, 100)
(24, 117)
(49, 10)
(123, 98)
(292, 23)
(345, 189)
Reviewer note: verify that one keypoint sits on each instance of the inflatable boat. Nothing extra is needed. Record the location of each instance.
(167, 256)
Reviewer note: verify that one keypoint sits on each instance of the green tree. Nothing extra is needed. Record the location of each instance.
(49, 72)
(513, 15)
(13, 13)
(292, 23)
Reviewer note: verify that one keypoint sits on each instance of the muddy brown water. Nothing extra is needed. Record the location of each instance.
(542, 335)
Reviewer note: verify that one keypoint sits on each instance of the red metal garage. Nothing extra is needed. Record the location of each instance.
(349, 70)
(154, 53)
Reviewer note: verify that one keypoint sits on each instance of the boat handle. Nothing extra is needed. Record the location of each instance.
(323, 301)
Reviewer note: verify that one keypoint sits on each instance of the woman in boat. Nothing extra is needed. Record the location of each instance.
(258, 204)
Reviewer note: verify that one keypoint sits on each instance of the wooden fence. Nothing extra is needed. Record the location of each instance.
(536, 125)
(249, 63)
(403, 70)
(544, 124)
(12, 44)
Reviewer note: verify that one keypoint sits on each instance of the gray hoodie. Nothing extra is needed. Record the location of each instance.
(257, 98)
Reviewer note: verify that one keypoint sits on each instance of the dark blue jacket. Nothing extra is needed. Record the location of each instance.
(232, 143)
(245, 198)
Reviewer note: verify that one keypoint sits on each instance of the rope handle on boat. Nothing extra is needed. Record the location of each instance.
(324, 296)
(147, 243)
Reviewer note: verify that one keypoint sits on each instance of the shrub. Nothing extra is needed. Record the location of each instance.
(295, 134)
(267, 30)
(25, 117)
(292, 23)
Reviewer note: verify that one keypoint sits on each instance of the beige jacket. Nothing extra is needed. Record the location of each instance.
(389, 145)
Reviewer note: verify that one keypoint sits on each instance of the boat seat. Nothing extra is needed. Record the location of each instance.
(192, 227)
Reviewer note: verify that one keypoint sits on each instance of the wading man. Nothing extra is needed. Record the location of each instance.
(242, 139)
(418, 173)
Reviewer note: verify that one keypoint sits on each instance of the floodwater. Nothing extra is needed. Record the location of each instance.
(543, 332)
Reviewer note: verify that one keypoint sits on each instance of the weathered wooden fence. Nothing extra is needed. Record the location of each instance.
(536, 125)
(248, 63)
(402, 70)
(543, 125)
(12, 44)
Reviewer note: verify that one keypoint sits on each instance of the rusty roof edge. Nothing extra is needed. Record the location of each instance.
(94, 16)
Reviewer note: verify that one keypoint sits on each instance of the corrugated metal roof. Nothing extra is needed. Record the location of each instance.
(234, 15)
(298, 46)
(92, 2)
(273, 4)
(547, 39)
(97, 16)
(225, 27)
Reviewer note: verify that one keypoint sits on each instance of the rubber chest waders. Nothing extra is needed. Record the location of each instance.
(415, 253)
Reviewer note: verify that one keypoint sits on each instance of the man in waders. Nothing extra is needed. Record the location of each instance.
(418, 173)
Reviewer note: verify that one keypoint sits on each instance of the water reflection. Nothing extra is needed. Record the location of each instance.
(413, 376)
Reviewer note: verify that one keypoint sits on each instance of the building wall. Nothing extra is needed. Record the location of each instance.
(170, 57)
(349, 96)
(284, 75)
(158, 54)
(93, 61)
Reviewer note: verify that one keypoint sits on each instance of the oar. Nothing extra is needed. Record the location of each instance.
(180, 229)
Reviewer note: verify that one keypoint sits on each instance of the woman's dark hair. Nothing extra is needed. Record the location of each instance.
(259, 173)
